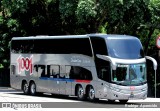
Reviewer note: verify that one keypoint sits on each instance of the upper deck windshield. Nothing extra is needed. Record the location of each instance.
(124, 48)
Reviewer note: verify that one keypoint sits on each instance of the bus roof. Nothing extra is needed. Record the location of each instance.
(49, 37)
(106, 36)
(112, 36)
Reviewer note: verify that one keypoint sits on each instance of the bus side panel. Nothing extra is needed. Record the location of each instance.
(14, 76)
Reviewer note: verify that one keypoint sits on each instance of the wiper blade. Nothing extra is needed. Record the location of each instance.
(119, 83)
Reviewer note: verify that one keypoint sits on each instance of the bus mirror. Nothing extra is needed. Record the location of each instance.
(153, 60)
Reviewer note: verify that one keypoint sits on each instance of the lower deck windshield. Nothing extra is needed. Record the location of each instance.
(134, 74)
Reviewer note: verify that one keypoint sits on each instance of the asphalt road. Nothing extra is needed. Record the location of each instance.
(17, 100)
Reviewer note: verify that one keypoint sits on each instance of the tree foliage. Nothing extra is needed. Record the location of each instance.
(140, 18)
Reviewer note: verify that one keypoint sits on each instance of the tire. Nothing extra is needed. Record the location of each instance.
(91, 94)
(25, 88)
(123, 101)
(80, 93)
(33, 88)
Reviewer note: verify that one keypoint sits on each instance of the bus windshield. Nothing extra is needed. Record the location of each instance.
(134, 74)
(125, 48)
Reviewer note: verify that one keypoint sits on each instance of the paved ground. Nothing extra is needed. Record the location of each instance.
(17, 99)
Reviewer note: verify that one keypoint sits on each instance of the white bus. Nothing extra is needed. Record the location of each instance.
(92, 66)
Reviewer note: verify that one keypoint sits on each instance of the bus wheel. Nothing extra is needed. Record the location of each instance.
(33, 88)
(25, 88)
(123, 101)
(80, 93)
(91, 94)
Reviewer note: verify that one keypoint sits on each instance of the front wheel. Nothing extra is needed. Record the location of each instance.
(33, 88)
(123, 101)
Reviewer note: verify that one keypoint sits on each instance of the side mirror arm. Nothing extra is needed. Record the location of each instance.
(153, 60)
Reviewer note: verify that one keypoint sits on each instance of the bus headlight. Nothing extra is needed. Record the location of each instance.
(144, 89)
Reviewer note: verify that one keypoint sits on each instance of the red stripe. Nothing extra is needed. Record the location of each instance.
(85, 81)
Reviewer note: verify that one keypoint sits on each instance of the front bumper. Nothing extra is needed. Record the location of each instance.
(126, 95)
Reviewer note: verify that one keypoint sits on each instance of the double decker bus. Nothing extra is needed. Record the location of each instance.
(92, 66)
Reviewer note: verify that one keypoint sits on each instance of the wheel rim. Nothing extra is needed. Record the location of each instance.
(33, 88)
(91, 93)
(80, 92)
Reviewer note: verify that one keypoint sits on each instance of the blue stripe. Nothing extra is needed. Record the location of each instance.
(57, 79)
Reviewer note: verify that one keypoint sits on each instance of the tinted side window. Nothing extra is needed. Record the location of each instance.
(22, 46)
(53, 46)
(99, 45)
(16, 46)
(63, 46)
(28, 46)
(39, 46)
(76, 72)
(13, 69)
(54, 71)
(41, 70)
(102, 66)
(104, 73)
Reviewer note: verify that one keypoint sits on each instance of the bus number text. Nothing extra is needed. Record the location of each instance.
(24, 64)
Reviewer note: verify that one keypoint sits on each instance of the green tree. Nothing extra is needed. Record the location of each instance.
(153, 24)
(58, 17)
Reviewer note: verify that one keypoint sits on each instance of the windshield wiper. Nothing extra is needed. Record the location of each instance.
(136, 82)
(121, 83)
(141, 82)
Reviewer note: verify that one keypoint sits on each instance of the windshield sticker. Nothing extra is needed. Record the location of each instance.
(119, 65)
